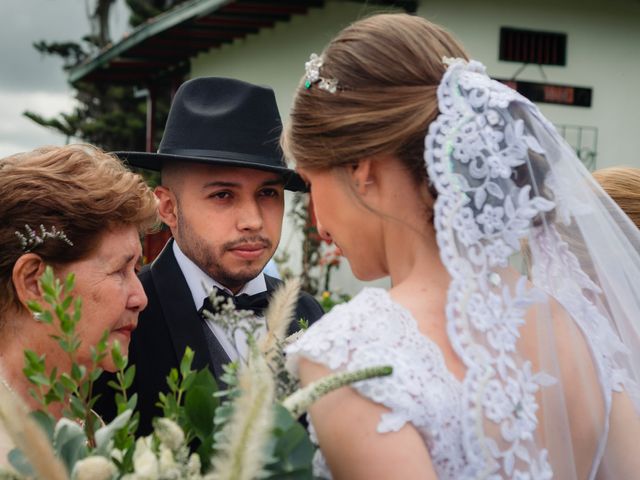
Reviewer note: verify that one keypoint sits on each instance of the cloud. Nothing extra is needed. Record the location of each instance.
(17, 132)
(32, 81)
(23, 68)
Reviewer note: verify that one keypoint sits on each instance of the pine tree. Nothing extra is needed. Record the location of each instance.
(109, 116)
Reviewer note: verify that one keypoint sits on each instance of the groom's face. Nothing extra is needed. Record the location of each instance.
(227, 220)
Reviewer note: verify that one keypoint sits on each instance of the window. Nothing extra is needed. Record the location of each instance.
(530, 46)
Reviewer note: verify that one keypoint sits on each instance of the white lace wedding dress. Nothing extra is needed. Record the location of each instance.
(373, 330)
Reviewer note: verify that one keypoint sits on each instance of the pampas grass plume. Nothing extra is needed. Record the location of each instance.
(29, 438)
(279, 315)
(242, 453)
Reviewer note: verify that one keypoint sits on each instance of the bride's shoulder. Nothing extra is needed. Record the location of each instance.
(368, 322)
(370, 306)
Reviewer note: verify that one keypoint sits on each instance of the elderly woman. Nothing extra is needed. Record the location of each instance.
(79, 210)
(623, 186)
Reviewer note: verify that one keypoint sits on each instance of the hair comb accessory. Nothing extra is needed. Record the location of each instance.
(312, 69)
(32, 239)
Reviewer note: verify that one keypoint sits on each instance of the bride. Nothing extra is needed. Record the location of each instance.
(512, 322)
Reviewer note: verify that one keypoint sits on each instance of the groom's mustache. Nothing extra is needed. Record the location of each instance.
(256, 241)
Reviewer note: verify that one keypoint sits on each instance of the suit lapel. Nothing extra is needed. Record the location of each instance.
(181, 316)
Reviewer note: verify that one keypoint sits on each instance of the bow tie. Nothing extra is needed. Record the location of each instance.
(256, 303)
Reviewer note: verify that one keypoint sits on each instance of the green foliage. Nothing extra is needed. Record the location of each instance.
(71, 389)
(194, 428)
(291, 450)
(328, 299)
(110, 116)
(142, 10)
(301, 216)
(80, 430)
(192, 402)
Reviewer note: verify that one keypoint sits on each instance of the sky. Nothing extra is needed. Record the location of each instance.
(32, 81)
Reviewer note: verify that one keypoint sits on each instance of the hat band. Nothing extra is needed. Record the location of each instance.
(223, 155)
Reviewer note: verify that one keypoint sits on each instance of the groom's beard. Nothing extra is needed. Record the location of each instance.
(217, 261)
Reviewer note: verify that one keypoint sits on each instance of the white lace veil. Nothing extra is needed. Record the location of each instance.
(544, 300)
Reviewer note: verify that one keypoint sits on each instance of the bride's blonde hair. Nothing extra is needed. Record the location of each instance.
(388, 68)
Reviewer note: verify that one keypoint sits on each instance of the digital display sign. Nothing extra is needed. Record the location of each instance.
(551, 93)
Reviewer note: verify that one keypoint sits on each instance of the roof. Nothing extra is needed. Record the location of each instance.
(163, 45)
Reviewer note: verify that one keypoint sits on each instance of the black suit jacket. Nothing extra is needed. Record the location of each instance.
(169, 325)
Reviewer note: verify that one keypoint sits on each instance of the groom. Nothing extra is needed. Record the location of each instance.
(222, 196)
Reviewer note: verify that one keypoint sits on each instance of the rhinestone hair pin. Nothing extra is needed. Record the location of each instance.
(312, 69)
(32, 239)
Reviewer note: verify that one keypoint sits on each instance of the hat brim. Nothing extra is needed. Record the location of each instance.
(153, 161)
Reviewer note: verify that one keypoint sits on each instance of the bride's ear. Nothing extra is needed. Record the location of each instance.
(362, 175)
(25, 276)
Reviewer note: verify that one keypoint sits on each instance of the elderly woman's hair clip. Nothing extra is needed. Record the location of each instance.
(31, 239)
(312, 69)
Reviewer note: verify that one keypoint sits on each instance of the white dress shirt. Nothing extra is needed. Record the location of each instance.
(200, 284)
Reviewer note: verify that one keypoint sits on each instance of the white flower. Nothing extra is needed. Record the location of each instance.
(194, 465)
(145, 463)
(491, 218)
(498, 253)
(169, 433)
(496, 403)
(168, 466)
(466, 227)
(93, 468)
(117, 455)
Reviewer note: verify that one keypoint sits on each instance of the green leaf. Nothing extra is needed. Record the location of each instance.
(223, 414)
(116, 354)
(45, 317)
(200, 404)
(185, 363)
(95, 374)
(106, 433)
(70, 442)
(34, 306)
(67, 382)
(46, 422)
(292, 450)
(172, 380)
(113, 384)
(39, 379)
(77, 407)
(50, 299)
(34, 361)
(188, 381)
(20, 463)
(66, 303)
(69, 283)
(129, 376)
(78, 372)
(133, 401)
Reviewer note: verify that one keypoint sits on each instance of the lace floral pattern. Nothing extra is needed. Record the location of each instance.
(481, 216)
(554, 257)
(372, 330)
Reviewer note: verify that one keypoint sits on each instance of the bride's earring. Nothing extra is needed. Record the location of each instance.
(368, 182)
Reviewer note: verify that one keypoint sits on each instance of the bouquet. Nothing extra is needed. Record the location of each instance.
(247, 431)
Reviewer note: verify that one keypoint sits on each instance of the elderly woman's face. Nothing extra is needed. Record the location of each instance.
(112, 296)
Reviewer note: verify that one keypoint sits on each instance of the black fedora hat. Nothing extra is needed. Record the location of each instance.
(221, 121)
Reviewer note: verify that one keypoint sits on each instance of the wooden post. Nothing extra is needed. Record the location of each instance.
(151, 118)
